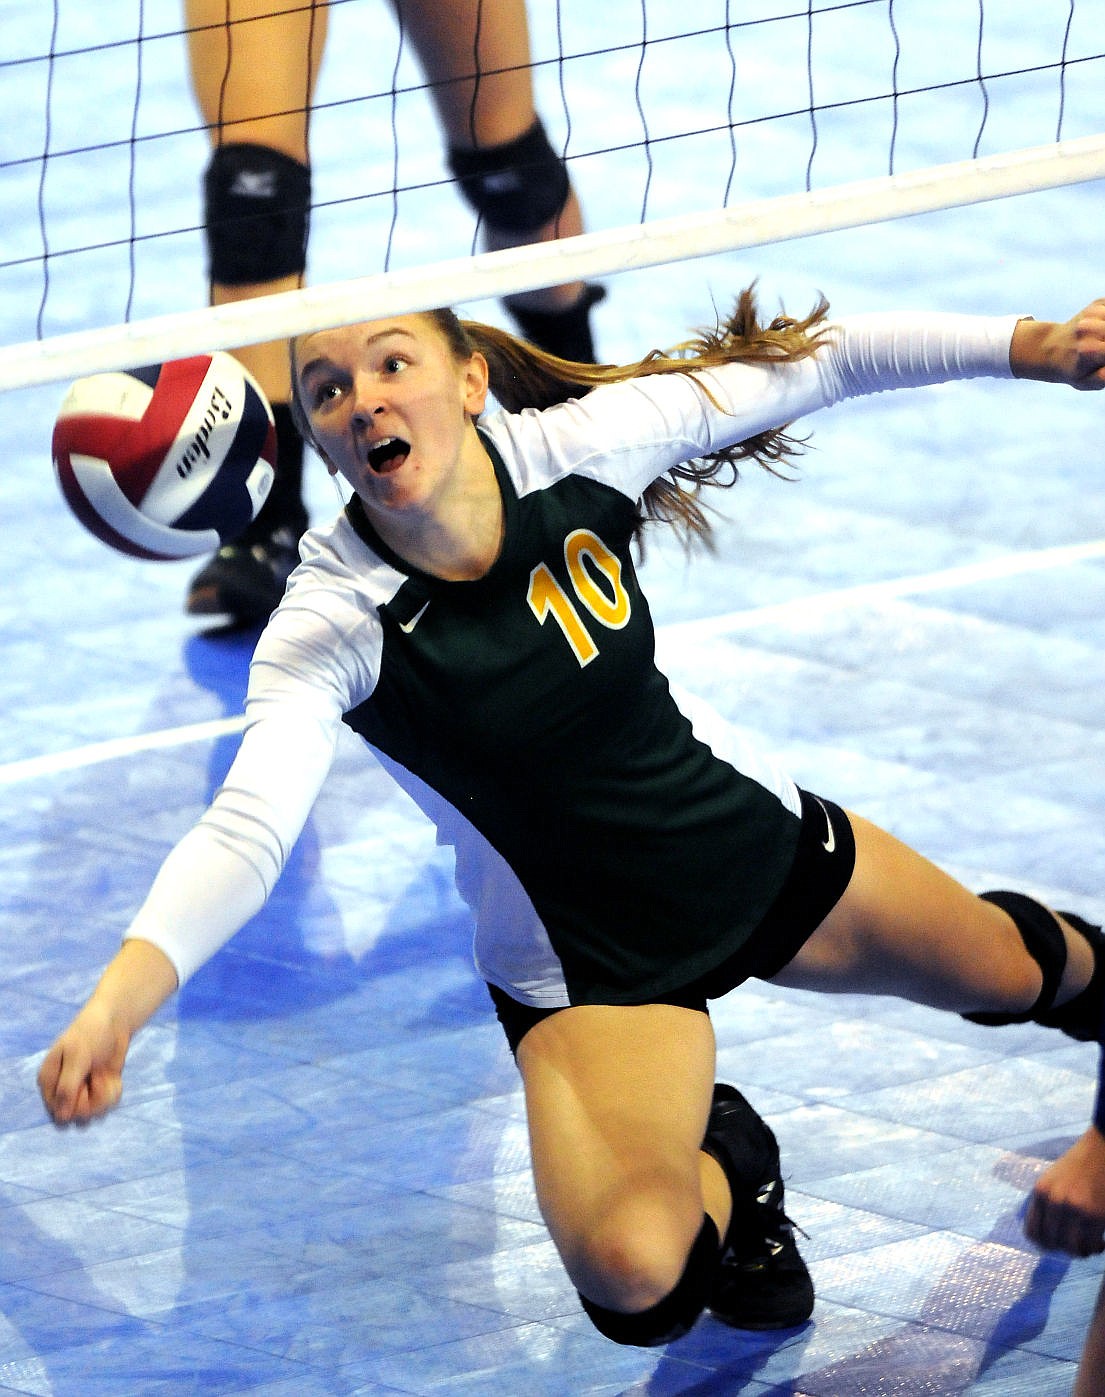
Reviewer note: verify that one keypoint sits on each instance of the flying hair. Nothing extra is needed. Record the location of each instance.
(521, 376)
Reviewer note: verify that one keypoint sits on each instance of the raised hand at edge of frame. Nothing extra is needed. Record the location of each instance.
(1070, 351)
(1066, 1211)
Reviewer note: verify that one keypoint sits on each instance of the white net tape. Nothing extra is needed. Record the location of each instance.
(752, 224)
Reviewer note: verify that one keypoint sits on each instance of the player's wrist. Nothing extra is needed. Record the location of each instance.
(1027, 354)
(134, 986)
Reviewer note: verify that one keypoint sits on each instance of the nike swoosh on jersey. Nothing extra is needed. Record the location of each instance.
(827, 844)
(407, 626)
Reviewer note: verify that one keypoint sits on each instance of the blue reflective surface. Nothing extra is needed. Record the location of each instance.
(318, 1179)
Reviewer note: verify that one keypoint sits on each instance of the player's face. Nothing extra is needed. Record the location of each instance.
(390, 407)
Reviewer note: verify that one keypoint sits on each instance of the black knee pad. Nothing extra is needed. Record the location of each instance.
(1043, 940)
(516, 187)
(257, 206)
(673, 1316)
(1081, 1017)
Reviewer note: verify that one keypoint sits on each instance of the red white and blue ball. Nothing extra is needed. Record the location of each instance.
(168, 461)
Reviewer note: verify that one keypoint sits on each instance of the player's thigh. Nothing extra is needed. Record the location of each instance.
(907, 928)
(617, 1100)
(254, 64)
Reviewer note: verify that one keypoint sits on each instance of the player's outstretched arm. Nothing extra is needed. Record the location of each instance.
(1071, 351)
(81, 1076)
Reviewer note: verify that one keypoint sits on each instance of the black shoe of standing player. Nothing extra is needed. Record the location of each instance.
(245, 579)
(762, 1281)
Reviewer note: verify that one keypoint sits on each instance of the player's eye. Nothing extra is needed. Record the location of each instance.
(324, 392)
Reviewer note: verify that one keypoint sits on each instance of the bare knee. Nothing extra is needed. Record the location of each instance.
(675, 1313)
(634, 1257)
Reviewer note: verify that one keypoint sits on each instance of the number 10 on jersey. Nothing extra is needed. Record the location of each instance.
(598, 588)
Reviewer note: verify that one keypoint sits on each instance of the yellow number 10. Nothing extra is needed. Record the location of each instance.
(599, 589)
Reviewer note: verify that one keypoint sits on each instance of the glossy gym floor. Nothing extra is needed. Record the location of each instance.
(317, 1182)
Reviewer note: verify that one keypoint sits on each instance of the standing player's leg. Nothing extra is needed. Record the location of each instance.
(253, 65)
(1090, 1381)
(476, 57)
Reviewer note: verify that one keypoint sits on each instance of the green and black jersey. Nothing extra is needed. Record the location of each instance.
(530, 702)
(614, 841)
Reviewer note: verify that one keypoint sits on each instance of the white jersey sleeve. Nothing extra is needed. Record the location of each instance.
(628, 434)
(223, 870)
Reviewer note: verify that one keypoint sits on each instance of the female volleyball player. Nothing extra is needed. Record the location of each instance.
(254, 65)
(474, 613)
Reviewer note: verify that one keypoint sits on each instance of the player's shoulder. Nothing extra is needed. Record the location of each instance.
(539, 448)
(340, 573)
(326, 632)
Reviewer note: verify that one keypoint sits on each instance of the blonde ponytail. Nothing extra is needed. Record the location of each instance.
(522, 376)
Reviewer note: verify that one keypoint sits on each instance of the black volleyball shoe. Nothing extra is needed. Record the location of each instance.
(762, 1281)
(245, 579)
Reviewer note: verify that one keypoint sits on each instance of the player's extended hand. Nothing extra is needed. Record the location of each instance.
(1067, 1209)
(81, 1076)
(1071, 351)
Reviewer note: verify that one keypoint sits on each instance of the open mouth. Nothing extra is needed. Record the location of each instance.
(387, 456)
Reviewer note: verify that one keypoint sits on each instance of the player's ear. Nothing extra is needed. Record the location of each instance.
(476, 378)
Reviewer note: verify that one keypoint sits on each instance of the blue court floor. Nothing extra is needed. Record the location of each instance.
(317, 1182)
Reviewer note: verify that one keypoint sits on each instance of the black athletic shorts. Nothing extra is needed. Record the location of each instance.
(822, 869)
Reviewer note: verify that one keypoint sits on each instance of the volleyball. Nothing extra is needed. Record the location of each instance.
(168, 461)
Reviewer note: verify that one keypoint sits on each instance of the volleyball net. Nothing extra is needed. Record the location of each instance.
(688, 131)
